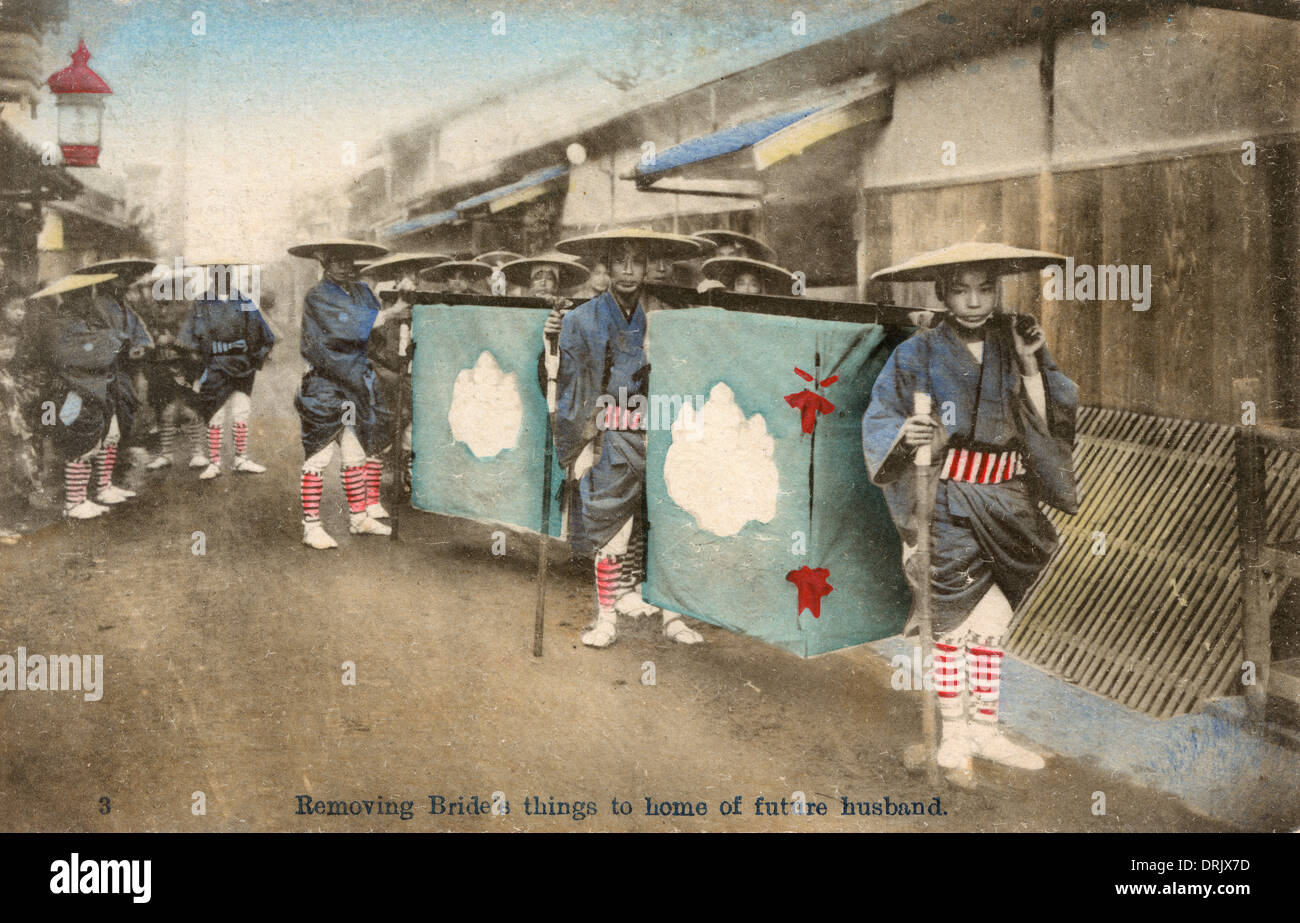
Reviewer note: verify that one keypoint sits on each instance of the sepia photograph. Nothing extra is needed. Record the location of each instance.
(752, 416)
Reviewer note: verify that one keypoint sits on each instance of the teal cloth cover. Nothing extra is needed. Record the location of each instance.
(505, 486)
(825, 506)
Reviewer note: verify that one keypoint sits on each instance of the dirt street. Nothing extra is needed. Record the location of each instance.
(223, 675)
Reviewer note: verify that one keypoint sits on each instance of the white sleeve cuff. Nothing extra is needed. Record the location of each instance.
(1037, 393)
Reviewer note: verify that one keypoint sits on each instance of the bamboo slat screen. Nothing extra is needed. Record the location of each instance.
(1153, 621)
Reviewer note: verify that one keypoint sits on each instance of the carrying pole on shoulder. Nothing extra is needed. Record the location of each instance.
(923, 483)
(396, 490)
(552, 359)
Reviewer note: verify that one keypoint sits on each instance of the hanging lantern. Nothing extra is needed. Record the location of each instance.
(80, 96)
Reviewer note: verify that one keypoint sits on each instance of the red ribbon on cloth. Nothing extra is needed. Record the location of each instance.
(812, 586)
(809, 405)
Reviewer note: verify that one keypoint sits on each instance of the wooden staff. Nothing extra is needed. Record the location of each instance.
(566, 502)
(923, 483)
(552, 370)
(395, 498)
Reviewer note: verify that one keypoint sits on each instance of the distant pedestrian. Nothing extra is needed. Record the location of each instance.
(80, 346)
(226, 328)
(115, 302)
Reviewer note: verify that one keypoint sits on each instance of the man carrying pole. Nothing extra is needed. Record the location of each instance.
(545, 277)
(340, 400)
(1001, 429)
(603, 361)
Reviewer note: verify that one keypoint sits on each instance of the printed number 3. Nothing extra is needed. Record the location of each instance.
(105, 806)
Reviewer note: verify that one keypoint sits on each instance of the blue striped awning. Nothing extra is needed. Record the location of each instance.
(419, 223)
(530, 187)
(719, 144)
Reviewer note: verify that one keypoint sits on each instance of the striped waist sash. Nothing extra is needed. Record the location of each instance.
(981, 467)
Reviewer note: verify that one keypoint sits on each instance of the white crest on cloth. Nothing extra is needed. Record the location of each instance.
(486, 412)
(719, 467)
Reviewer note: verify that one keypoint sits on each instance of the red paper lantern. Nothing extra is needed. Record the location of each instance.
(80, 97)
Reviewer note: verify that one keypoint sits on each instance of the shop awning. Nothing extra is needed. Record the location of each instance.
(98, 217)
(820, 125)
(419, 223)
(757, 145)
(533, 186)
(722, 143)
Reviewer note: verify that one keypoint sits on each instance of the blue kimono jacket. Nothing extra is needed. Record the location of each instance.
(171, 369)
(340, 387)
(124, 400)
(983, 533)
(81, 347)
(234, 340)
(602, 352)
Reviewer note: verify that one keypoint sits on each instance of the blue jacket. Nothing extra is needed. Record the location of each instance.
(602, 352)
(82, 349)
(230, 334)
(982, 406)
(336, 324)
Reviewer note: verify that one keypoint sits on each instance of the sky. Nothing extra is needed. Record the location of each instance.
(264, 97)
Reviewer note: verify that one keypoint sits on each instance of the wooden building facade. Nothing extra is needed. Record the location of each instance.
(1169, 142)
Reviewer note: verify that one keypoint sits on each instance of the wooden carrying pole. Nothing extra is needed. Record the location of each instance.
(552, 369)
(395, 497)
(923, 484)
(849, 312)
(552, 358)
